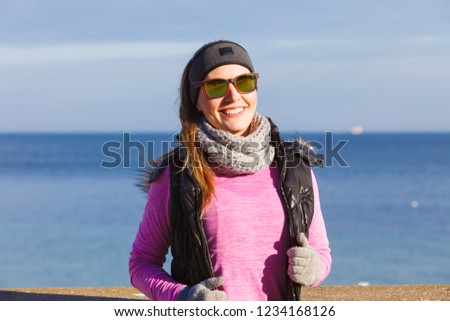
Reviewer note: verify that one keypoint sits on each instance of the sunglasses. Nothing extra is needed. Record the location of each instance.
(215, 88)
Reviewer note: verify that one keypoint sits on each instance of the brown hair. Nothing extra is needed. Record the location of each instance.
(195, 160)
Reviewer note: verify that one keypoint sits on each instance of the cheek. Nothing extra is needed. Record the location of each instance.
(251, 98)
(202, 101)
(206, 104)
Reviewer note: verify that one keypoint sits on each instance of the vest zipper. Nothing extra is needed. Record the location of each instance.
(205, 248)
(206, 255)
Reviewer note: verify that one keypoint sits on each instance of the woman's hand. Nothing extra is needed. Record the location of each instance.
(304, 264)
(203, 291)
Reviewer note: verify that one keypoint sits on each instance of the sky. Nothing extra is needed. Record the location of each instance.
(115, 66)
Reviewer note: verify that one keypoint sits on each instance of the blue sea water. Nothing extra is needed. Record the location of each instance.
(68, 221)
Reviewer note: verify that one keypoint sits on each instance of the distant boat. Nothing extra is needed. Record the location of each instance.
(357, 130)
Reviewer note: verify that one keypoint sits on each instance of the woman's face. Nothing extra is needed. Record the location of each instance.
(234, 111)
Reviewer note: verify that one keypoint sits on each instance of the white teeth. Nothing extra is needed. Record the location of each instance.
(234, 111)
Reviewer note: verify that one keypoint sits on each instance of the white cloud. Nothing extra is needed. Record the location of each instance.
(75, 52)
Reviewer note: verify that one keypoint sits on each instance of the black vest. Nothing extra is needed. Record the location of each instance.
(191, 262)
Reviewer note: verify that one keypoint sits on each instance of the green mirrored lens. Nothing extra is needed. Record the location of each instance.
(246, 83)
(216, 88)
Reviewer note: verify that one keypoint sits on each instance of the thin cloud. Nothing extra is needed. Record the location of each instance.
(76, 52)
(426, 47)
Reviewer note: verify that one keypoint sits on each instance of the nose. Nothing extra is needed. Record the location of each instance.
(232, 94)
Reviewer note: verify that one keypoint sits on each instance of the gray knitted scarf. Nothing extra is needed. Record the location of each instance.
(231, 155)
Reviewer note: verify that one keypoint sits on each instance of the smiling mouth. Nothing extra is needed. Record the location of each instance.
(233, 111)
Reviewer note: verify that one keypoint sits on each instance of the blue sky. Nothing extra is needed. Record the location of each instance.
(324, 65)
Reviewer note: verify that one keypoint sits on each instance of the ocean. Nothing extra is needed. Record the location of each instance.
(69, 207)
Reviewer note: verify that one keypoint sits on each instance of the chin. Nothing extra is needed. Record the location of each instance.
(238, 130)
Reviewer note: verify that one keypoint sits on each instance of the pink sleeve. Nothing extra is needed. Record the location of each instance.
(151, 245)
(318, 238)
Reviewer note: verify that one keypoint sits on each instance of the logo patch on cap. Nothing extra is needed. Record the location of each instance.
(226, 51)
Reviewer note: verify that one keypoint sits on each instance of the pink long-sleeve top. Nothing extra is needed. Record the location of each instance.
(247, 237)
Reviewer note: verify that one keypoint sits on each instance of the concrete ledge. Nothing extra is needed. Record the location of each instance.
(439, 292)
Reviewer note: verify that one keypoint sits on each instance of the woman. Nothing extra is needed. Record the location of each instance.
(238, 207)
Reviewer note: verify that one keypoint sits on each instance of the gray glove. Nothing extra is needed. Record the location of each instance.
(304, 264)
(203, 291)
